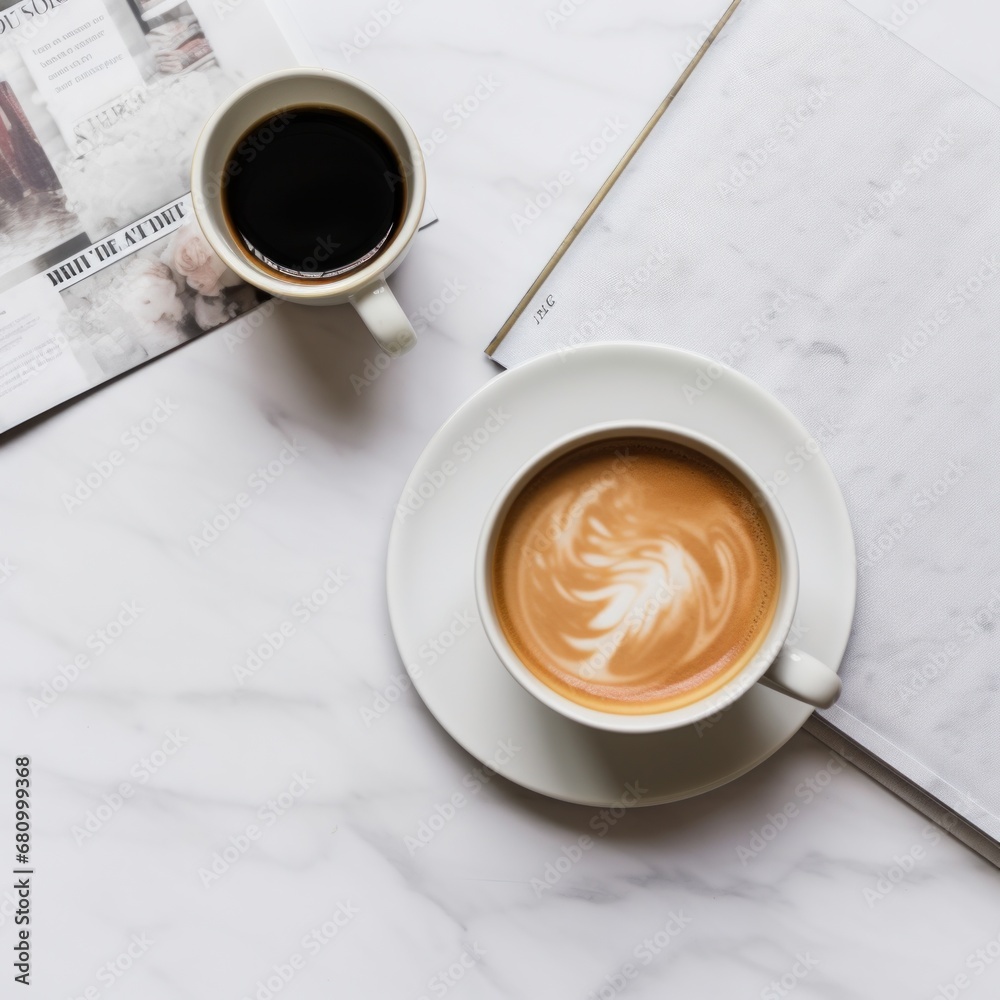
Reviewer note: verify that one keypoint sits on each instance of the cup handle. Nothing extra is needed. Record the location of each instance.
(384, 317)
(802, 677)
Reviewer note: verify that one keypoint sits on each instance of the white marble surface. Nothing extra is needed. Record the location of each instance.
(856, 895)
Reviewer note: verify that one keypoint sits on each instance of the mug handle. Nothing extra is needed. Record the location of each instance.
(384, 317)
(802, 677)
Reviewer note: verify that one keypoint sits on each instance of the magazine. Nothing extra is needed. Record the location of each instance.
(102, 265)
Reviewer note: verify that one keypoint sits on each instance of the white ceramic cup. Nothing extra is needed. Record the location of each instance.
(775, 665)
(266, 98)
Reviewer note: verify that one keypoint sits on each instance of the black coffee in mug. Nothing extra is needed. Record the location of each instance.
(313, 193)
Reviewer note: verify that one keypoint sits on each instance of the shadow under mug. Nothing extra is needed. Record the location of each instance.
(775, 665)
(267, 97)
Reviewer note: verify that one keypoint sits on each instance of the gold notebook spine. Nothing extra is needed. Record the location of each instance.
(606, 186)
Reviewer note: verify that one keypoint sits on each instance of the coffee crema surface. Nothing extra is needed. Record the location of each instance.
(635, 576)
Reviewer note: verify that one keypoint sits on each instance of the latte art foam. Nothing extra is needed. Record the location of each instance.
(635, 576)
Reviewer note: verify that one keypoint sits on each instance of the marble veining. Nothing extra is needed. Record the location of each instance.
(238, 794)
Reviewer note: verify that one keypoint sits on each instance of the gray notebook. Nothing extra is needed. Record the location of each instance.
(818, 207)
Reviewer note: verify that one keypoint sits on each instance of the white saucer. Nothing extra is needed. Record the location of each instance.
(433, 543)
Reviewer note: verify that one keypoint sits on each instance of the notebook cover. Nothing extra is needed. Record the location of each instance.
(812, 205)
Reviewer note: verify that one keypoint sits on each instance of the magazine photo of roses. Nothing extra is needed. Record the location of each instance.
(157, 299)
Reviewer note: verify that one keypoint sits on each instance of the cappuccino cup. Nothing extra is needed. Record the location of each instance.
(310, 185)
(638, 577)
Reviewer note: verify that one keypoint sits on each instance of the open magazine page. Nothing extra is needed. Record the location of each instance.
(102, 265)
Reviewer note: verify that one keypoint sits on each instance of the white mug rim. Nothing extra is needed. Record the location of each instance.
(711, 703)
(320, 290)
